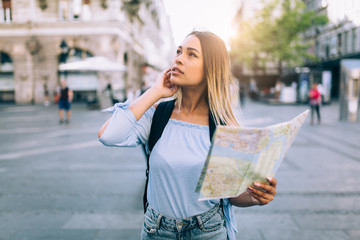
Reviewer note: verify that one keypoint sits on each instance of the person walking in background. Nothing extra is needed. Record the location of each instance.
(110, 93)
(278, 87)
(46, 95)
(254, 91)
(200, 77)
(66, 97)
(315, 102)
(242, 94)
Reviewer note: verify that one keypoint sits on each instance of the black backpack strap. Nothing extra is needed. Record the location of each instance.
(160, 119)
(212, 126)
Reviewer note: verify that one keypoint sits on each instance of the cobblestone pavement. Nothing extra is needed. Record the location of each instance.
(59, 182)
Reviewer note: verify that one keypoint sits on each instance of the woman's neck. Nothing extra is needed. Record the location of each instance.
(194, 108)
(193, 101)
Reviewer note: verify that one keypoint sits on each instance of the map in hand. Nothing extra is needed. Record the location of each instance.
(239, 156)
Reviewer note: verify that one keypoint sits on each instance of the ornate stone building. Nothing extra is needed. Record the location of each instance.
(36, 36)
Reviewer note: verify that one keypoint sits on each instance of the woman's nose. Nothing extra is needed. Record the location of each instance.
(178, 59)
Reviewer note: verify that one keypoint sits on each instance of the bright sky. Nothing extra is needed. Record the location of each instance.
(213, 15)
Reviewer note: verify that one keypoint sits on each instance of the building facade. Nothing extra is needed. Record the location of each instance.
(36, 36)
(338, 40)
(330, 43)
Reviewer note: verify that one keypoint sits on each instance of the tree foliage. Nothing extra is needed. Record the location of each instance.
(274, 35)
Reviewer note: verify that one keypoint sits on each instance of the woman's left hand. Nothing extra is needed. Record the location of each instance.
(263, 193)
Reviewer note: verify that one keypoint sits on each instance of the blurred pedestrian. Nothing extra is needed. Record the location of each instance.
(315, 102)
(200, 77)
(46, 95)
(242, 94)
(254, 91)
(66, 97)
(110, 93)
(278, 87)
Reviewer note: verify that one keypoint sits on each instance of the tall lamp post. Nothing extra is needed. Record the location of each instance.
(64, 52)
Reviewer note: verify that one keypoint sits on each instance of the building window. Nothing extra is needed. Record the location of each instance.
(77, 5)
(7, 83)
(64, 9)
(354, 40)
(74, 10)
(6, 13)
(333, 45)
(339, 43)
(6, 64)
(346, 42)
(327, 48)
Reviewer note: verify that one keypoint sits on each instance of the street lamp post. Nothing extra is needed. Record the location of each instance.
(64, 50)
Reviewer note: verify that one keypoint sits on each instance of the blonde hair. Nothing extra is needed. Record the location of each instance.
(222, 92)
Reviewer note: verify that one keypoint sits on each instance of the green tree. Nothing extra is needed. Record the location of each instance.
(274, 35)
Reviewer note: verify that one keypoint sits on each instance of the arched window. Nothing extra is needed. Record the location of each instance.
(6, 64)
(5, 11)
(7, 83)
(125, 58)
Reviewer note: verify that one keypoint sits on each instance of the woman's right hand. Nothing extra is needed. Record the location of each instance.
(164, 86)
(161, 89)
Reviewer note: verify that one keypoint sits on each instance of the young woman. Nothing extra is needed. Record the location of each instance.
(315, 102)
(201, 80)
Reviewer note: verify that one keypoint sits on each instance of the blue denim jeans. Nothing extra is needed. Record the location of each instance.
(208, 225)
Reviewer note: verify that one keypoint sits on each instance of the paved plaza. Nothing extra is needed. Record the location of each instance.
(59, 182)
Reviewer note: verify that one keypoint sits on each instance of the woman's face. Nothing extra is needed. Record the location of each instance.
(188, 68)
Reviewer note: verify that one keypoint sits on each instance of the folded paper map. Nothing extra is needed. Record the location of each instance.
(241, 155)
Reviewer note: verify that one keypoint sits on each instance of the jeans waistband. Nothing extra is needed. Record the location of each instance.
(180, 225)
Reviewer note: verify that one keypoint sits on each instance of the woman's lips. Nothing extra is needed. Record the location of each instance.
(176, 70)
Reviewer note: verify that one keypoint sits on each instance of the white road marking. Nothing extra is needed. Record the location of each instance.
(39, 151)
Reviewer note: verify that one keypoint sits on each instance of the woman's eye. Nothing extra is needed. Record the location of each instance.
(192, 54)
(178, 52)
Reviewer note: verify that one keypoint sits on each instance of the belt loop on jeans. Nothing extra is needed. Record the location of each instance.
(221, 208)
(158, 221)
(201, 225)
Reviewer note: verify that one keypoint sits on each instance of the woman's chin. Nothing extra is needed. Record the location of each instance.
(173, 80)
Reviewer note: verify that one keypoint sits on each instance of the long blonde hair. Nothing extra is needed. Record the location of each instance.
(222, 93)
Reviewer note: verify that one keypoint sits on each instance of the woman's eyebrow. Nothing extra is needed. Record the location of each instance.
(193, 49)
(189, 49)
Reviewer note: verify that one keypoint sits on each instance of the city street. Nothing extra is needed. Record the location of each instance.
(58, 182)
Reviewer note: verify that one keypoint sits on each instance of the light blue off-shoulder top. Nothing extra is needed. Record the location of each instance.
(176, 162)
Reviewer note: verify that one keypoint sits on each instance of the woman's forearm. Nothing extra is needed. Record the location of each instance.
(144, 102)
(138, 107)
